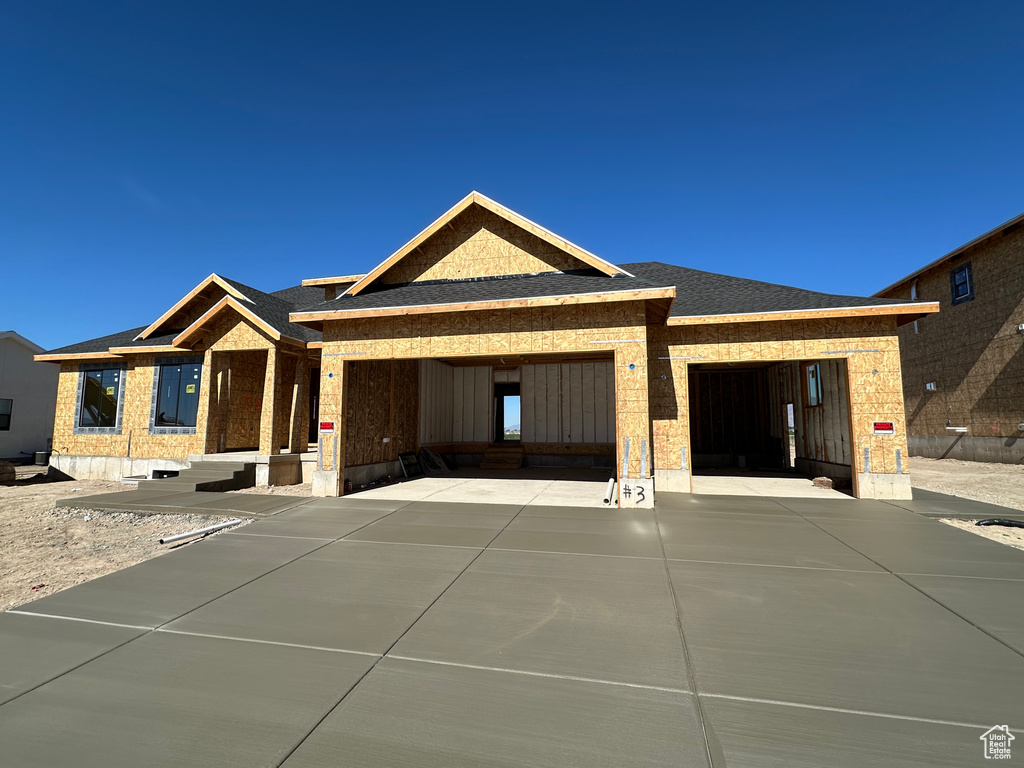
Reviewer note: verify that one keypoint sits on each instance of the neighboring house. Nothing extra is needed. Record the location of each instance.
(963, 368)
(28, 394)
(648, 369)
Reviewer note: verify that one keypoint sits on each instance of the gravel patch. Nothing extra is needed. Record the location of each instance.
(47, 549)
(1012, 537)
(1001, 484)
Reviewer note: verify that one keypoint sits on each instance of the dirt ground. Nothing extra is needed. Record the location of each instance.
(1013, 537)
(304, 489)
(44, 549)
(1001, 484)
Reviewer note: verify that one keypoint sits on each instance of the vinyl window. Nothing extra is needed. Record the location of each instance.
(101, 391)
(177, 399)
(6, 404)
(961, 283)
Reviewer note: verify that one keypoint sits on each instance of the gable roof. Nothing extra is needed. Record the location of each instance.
(17, 337)
(475, 198)
(213, 279)
(269, 311)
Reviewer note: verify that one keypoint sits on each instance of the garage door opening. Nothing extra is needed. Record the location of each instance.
(770, 428)
(534, 429)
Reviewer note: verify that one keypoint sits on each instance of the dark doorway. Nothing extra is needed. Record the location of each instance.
(507, 427)
(729, 418)
(314, 404)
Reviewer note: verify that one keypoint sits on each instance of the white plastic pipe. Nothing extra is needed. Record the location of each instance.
(610, 492)
(200, 532)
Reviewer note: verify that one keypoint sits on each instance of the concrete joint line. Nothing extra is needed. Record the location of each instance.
(373, 666)
(264, 642)
(84, 621)
(549, 675)
(690, 676)
(909, 584)
(842, 710)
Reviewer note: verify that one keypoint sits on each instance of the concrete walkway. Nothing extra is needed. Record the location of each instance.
(724, 631)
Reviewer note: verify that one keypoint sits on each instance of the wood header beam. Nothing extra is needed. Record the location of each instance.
(317, 281)
(542, 301)
(75, 356)
(920, 309)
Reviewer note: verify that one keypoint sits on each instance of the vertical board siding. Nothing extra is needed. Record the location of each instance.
(472, 393)
(562, 403)
(436, 398)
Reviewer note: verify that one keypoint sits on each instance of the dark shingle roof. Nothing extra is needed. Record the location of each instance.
(502, 289)
(697, 293)
(273, 308)
(707, 293)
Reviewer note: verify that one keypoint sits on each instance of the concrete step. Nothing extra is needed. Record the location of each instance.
(207, 476)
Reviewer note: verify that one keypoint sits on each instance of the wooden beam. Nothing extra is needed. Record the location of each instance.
(475, 198)
(213, 279)
(919, 309)
(230, 302)
(316, 281)
(542, 301)
(148, 350)
(75, 356)
(514, 360)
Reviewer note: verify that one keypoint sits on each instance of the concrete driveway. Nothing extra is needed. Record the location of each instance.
(724, 630)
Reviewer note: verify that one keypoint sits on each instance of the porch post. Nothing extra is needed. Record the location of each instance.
(298, 440)
(270, 444)
(329, 475)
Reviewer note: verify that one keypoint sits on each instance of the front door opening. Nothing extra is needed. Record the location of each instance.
(507, 417)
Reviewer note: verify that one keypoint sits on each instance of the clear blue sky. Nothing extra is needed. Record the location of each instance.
(830, 146)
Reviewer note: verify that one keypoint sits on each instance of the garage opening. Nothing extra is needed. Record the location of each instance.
(770, 427)
(516, 429)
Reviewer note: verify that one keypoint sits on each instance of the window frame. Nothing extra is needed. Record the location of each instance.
(83, 374)
(965, 269)
(9, 414)
(158, 366)
(807, 385)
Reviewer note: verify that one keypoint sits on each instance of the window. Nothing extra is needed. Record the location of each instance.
(961, 283)
(813, 374)
(5, 413)
(177, 393)
(100, 395)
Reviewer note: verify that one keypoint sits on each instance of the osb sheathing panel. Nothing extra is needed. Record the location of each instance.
(616, 326)
(479, 243)
(382, 402)
(870, 346)
(138, 395)
(230, 331)
(972, 351)
(233, 390)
